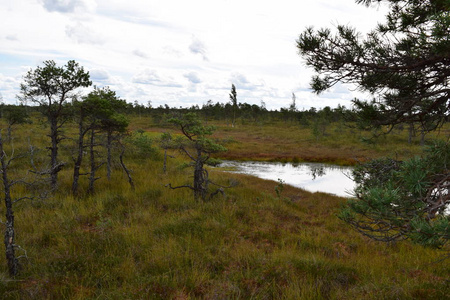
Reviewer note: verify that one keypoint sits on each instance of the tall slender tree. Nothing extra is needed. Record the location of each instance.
(233, 99)
(10, 235)
(293, 105)
(51, 87)
(98, 112)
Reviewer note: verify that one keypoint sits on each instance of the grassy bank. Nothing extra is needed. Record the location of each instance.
(340, 144)
(156, 243)
(290, 141)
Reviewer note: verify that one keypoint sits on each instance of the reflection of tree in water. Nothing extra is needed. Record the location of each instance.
(316, 171)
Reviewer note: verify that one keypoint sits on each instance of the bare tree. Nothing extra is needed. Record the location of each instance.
(166, 142)
(10, 235)
(6, 162)
(124, 167)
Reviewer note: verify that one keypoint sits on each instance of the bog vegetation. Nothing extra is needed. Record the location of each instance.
(146, 241)
(110, 200)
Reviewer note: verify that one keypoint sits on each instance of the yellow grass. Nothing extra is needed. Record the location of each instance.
(157, 243)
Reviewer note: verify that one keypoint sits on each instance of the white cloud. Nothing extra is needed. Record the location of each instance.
(147, 77)
(151, 77)
(140, 53)
(171, 51)
(182, 52)
(9, 88)
(12, 37)
(198, 47)
(83, 34)
(99, 75)
(241, 82)
(193, 77)
(68, 6)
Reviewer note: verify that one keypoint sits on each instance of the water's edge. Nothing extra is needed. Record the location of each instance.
(313, 177)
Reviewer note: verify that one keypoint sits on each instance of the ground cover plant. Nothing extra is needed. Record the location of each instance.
(133, 237)
(256, 241)
(344, 145)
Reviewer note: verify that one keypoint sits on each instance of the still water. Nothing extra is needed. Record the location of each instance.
(313, 177)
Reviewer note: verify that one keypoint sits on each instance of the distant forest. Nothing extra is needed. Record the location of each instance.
(243, 112)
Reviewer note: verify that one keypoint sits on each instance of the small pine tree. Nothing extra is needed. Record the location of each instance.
(195, 145)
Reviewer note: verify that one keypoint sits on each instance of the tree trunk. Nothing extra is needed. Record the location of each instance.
(165, 161)
(108, 155)
(55, 167)
(9, 133)
(92, 163)
(422, 137)
(234, 118)
(130, 179)
(13, 264)
(79, 160)
(199, 177)
(410, 132)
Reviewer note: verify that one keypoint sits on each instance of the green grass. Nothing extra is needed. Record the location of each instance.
(157, 243)
(285, 141)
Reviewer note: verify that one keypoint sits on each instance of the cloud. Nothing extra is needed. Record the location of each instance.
(189, 50)
(68, 6)
(84, 35)
(7, 81)
(151, 77)
(241, 82)
(147, 77)
(99, 75)
(140, 53)
(193, 77)
(340, 88)
(198, 47)
(9, 88)
(171, 51)
(12, 37)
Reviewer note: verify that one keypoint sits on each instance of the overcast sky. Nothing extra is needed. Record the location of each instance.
(177, 52)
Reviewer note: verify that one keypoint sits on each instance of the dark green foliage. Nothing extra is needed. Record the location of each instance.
(105, 113)
(104, 109)
(399, 200)
(100, 112)
(213, 162)
(52, 87)
(141, 146)
(195, 144)
(195, 135)
(404, 63)
(15, 114)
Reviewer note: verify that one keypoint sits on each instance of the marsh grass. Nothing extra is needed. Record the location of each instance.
(285, 141)
(156, 243)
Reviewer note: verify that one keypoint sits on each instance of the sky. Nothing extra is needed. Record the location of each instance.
(177, 52)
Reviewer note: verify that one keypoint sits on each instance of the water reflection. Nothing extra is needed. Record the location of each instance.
(313, 177)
